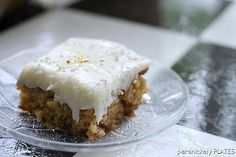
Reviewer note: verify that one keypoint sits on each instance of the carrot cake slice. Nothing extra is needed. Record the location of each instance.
(85, 87)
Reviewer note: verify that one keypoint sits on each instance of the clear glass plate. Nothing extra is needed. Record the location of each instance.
(169, 97)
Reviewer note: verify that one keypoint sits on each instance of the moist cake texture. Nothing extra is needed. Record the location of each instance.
(83, 86)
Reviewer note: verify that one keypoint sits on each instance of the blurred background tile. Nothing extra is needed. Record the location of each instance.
(13, 12)
(179, 15)
(185, 16)
(54, 27)
(223, 30)
(210, 73)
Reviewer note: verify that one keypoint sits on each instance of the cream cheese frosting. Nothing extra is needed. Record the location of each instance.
(85, 73)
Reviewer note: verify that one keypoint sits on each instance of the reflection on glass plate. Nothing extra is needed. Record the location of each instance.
(168, 103)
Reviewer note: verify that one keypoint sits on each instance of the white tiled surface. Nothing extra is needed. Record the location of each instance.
(54, 27)
(223, 30)
(158, 44)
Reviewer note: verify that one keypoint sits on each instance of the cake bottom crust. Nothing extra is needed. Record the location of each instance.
(41, 104)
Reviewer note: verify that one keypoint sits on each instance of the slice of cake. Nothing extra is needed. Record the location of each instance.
(85, 87)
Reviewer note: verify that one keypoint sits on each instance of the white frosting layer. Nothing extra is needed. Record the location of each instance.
(85, 73)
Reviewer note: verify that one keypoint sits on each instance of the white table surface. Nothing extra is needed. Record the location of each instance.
(174, 142)
(223, 30)
(54, 27)
(158, 44)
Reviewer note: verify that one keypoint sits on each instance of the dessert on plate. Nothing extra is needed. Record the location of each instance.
(85, 87)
